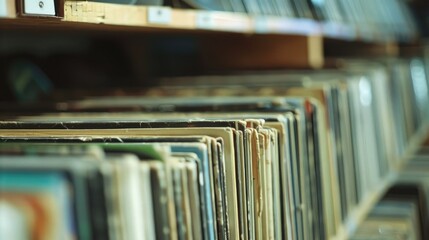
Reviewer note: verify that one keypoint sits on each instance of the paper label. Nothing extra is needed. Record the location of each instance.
(223, 21)
(3, 8)
(338, 30)
(159, 15)
(261, 24)
(204, 20)
(40, 7)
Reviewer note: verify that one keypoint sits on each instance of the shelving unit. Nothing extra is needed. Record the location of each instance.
(301, 43)
(147, 17)
(293, 43)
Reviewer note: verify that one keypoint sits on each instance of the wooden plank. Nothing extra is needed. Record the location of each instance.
(359, 213)
(102, 13)
(262, 52)
(263, 42)
(137, 18)
(413, 49)
(127, 15)
(336, 48)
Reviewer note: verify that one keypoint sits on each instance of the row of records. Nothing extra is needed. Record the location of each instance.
(274, 155)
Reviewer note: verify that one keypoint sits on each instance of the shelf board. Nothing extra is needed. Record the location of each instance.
(358, 215)
(106, 17)
(184, 19)
(334, 48)
(251, 42)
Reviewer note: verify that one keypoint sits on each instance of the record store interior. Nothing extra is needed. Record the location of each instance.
(214, 119)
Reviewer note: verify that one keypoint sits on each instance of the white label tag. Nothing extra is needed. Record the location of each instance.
(159, 15)
(40, 7)
(223, 21)
(286, 25)
(204, 20)
(261, 24)
(3, 8)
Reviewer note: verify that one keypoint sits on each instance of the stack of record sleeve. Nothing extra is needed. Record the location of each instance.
(267, 155)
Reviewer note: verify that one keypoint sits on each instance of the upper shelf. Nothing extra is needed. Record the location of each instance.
(241, 41)
(154, 18)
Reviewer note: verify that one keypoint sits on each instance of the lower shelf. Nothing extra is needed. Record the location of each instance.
(359, 214)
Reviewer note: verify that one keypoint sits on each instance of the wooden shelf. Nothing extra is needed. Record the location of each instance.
(182, 19)
(245, 42)
(334, 48)
(131, 17)
(358, 214)
(104, 16)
